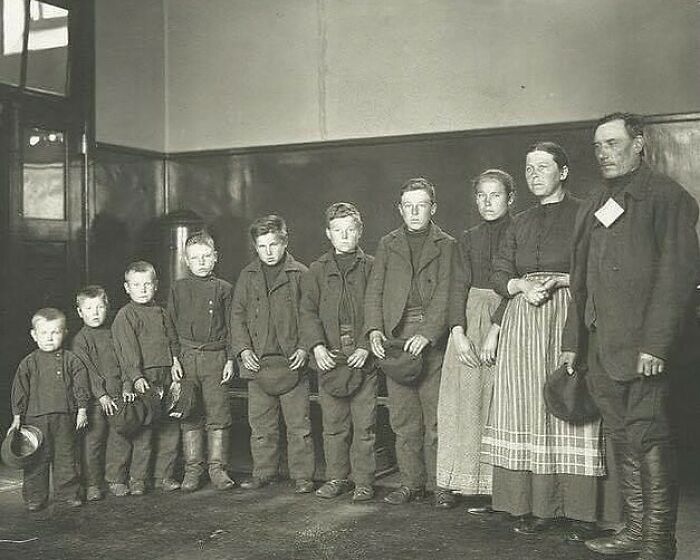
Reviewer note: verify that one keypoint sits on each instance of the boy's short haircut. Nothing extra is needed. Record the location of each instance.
(272, 223)
(140, 266)
(201, 238)
(48, 314)
(419, 184)
(343, 210)
(495, 175)
(91, 292)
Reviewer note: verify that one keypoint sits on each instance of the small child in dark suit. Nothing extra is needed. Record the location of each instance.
(49, 388)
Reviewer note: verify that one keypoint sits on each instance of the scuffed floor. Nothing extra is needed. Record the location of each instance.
(272, 524)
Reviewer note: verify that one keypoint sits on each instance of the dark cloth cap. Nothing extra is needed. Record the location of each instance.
(566, 396)
(274, 377)
(402, 367)
(20, 446)
(132, 416)
(343, 380)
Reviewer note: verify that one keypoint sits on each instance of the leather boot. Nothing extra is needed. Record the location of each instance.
(193, 450)
(218, 458)
(660, 491)
(629, 539)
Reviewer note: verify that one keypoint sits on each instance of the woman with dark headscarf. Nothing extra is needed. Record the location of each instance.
(544, 468)
(467, 369)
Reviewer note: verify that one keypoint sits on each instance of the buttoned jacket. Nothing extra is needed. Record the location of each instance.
(390, 283)
(254, 306)
(647, 271)
(321, 299)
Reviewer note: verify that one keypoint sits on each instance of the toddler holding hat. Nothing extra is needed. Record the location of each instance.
(50, 391)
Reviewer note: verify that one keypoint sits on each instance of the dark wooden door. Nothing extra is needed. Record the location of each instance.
(42, 186)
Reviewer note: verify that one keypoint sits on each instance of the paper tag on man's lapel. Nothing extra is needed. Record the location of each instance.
(609, 212)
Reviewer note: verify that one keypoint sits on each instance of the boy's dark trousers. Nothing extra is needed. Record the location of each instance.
(159, 441)
(57, 454)
(354, 416)
(203, 369)
(413, 415)
(94, 442)
(263, 415)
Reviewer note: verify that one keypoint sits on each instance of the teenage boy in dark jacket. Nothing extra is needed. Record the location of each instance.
(332, 322)
(408, 298)
(265, 314)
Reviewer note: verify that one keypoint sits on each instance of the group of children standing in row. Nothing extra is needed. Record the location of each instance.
(340, 317)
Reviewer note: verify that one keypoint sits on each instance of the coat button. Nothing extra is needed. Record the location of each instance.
(616, 268)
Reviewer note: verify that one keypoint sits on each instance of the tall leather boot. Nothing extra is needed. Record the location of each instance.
(193, 450)
(629, 539)
(218, 459)
(660, 491)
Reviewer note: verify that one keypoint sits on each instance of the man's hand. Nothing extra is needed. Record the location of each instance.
(358, 358)
(323, 358)
(176, 370)
(81, 420)
(297, 359)
(16, 424)
(227, 373)
(250, 360)
(490, 346)
(415, 344)
(466, 353)
(128, 396)
(376, 343)
(109, 407)
(648, 365)
(569, 359)
(141, 385)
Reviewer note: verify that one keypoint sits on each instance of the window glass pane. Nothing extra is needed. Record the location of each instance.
(47, 60)
(44, 174)
(12, 31)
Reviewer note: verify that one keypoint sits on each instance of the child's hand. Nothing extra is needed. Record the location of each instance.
(250, 360)
(358, 358)
(109, 407)
(81, 421)
(297, 359)
(176, 370)
(16, 423)
(227, 374)
(324, 359)
(129, 396)
(141, 385)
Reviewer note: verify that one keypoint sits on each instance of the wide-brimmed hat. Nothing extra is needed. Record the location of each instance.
(21, 446)
(274, 376)
(341, 381)
(566, 396)
(402, 367)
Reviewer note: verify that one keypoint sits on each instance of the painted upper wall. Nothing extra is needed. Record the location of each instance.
(130, 73)
(243, 73)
